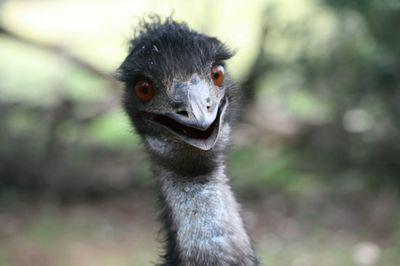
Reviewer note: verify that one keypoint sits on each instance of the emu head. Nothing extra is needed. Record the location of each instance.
(178, 94)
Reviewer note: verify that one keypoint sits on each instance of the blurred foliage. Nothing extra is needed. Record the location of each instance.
(339, 76)
(359, 75)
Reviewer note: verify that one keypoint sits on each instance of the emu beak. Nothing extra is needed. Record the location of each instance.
(202, 114)
(199, 120)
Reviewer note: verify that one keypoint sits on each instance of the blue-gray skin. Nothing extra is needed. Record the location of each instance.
(185, 128)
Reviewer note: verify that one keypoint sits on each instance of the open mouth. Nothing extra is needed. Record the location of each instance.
(201, 138)
(182, 129)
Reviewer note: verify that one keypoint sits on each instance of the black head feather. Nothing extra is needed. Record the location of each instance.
(164, 47)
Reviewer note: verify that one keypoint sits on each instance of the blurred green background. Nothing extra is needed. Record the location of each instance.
(315, 159)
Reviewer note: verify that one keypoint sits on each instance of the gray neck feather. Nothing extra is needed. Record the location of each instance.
(203, 223)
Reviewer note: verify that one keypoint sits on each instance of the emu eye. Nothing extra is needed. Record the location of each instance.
(217, 75)
(144, 90)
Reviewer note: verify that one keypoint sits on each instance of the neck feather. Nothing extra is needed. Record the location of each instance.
(202, 221)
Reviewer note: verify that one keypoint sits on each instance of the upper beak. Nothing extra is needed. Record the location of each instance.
(202, 112)
(197, 108)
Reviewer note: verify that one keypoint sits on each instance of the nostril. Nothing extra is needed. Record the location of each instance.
(208, 107)
(183, 112)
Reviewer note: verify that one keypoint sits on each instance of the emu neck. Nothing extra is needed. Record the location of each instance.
(202, 221)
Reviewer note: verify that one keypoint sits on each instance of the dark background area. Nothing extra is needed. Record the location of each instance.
(314, 160)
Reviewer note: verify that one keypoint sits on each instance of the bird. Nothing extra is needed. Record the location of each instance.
(182, 101)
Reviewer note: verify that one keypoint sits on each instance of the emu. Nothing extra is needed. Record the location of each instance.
(182, 101)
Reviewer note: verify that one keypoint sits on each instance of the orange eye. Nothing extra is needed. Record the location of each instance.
(217, 75)
(144, 91)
